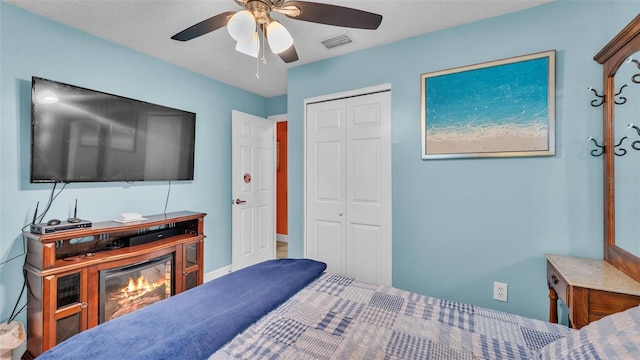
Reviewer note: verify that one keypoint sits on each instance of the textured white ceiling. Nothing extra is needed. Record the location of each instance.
(147, 26)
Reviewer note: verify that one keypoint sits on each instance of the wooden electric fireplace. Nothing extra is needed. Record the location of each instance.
(83, 277)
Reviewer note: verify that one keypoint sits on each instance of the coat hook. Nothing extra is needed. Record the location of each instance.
(595, 102)
(623, 151)
(622, 98)
(635, 144)
(635, 78)
(596, 152)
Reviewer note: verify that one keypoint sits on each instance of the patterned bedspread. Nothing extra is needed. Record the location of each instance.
(337, 317)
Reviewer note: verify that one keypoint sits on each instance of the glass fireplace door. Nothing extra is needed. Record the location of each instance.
(128, 288)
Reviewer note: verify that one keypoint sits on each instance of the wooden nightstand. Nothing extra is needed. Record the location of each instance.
(590, 288)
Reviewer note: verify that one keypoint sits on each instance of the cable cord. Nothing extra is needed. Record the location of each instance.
(52, 197)
(15, 313)
(25, 284)
(166, 202)
(38, 220)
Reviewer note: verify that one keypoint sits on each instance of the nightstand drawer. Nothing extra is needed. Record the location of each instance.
(557, 283)
(603, 303)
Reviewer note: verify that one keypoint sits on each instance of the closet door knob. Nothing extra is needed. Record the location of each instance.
(340, 213)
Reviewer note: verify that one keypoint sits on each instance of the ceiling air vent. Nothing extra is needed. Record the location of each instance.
(338, 40)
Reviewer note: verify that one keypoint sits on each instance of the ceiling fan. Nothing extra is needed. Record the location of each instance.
(244, 25)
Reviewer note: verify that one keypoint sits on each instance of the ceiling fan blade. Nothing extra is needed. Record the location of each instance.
(289, 55)
(204, 27)
(332, 15)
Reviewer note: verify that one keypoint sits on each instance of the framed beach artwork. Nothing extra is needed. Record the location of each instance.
(500, 108)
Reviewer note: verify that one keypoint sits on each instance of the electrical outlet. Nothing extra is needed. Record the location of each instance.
(500, 291)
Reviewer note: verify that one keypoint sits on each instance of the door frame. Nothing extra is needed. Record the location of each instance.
(323, 98)
(276, 119)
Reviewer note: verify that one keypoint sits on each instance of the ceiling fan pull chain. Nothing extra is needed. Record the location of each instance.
(257, 68)
(257, 61)
(264, 59)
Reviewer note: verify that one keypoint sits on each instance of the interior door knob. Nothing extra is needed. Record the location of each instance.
(340, 213)
(238, 201)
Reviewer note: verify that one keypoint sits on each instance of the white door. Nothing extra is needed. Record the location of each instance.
(348, 185)
(325, 194)
(252, 186)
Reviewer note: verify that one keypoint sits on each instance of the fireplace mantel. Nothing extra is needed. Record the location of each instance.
(66, 264)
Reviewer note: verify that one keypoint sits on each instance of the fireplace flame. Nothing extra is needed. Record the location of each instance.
(139, 287)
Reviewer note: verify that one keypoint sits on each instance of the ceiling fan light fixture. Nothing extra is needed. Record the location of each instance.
(242, 26)
(256, 17)
(252, 48)
(278, 36)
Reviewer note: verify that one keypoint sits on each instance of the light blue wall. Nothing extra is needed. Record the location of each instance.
(458, 225)
(277, 105)
(32, 45)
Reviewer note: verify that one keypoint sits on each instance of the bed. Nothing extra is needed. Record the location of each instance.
(293, 309)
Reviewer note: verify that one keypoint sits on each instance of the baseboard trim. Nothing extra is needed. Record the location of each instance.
(217, 273)
(282, 237)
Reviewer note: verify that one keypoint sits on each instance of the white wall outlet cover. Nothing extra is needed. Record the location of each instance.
(500, 291)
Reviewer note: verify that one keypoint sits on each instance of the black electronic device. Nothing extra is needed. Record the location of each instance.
(35, 214)
(83, 135)
(45, 228)
(150, 236)
(75, 218)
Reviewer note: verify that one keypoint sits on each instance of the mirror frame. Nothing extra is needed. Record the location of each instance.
(612, 56)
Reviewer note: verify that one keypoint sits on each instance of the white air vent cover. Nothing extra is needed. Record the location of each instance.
(338, 40)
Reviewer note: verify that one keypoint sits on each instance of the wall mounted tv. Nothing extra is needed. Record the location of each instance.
(83, 135)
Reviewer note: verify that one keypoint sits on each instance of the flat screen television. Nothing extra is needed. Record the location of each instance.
(83, 135)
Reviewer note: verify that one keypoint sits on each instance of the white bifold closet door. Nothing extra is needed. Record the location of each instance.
(348, 185)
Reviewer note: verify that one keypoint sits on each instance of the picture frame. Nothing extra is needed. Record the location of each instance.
(502, 108)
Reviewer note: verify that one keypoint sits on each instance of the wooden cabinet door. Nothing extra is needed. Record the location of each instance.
(65, 309)
(192, 265)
